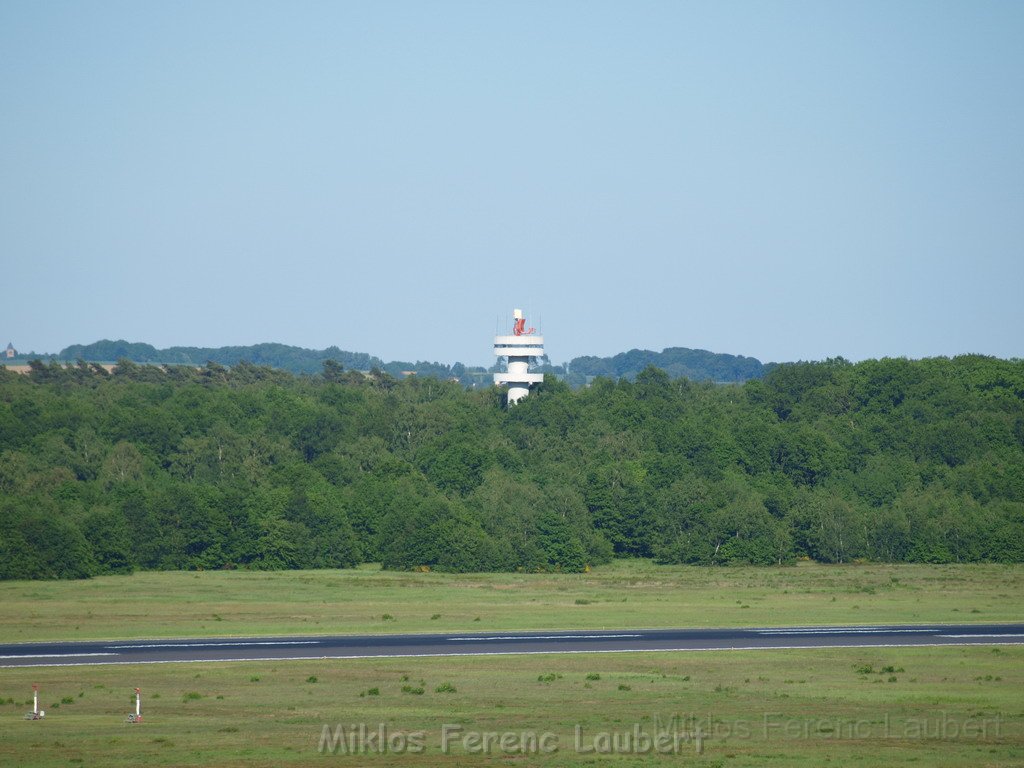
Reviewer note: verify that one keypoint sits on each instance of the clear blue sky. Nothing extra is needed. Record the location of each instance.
(786, 180)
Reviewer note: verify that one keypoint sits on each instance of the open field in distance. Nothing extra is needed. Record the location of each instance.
(624, 594)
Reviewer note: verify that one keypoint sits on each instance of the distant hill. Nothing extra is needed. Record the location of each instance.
(677, 362)
(294, 359)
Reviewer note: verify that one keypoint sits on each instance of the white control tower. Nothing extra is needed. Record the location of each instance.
(519, 348)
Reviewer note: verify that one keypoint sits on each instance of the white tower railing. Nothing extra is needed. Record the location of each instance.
(519, 347)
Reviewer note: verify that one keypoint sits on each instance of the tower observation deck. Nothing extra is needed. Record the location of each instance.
(519, 347)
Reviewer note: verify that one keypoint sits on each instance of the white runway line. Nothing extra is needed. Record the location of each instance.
(545, 637)
(217, 645)
(54, 655)
(846, 631)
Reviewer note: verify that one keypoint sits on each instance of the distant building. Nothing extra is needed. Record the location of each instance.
(11, 351)
(521, 347)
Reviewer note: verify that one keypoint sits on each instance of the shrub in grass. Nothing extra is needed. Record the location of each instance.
(445, 688)
(418, 691)
(593, 676)
(550, 677)
(67, 700)
(190, 696)
(311, 679)
(624, 687)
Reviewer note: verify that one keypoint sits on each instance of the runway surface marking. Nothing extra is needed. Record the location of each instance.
(847, 631)
(217, 645)
(543, 637)
(54, 655)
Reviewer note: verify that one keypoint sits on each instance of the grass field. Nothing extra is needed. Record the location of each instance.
(887, 706)
(869, 707)
(625, 594)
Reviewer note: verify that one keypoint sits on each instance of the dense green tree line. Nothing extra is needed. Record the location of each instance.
(181, 468)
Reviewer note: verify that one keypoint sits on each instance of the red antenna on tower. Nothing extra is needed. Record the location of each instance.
(519, 327)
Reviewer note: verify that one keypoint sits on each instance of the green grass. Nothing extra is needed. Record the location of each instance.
(624, 594)
(948, 707)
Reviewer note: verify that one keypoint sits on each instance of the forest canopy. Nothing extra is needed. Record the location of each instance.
(174, 467)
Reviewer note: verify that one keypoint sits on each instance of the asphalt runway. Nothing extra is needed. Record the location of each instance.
(499, 643)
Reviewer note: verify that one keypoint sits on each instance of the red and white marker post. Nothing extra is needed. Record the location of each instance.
(137, 717)
(36, 713)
